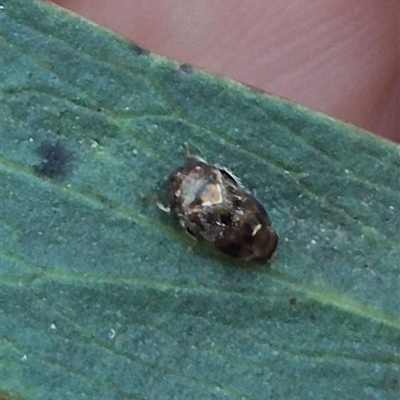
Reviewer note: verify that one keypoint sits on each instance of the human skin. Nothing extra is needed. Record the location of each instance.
(340, 57)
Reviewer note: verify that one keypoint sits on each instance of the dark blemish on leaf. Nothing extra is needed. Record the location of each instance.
(138, 50)
(312, 317)
(56, 159)
(293, 301)
(186, 69)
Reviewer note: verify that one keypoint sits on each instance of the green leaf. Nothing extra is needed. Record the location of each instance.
(100, 297)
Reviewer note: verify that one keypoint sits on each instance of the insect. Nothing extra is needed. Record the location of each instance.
(212, 204)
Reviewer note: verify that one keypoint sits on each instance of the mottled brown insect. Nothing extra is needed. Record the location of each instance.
(212, 204)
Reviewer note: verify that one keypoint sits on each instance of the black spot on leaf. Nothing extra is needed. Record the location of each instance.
(186, 68)
(55, 159)
(312, 317)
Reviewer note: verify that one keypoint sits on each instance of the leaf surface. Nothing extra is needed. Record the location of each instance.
(100, 298)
